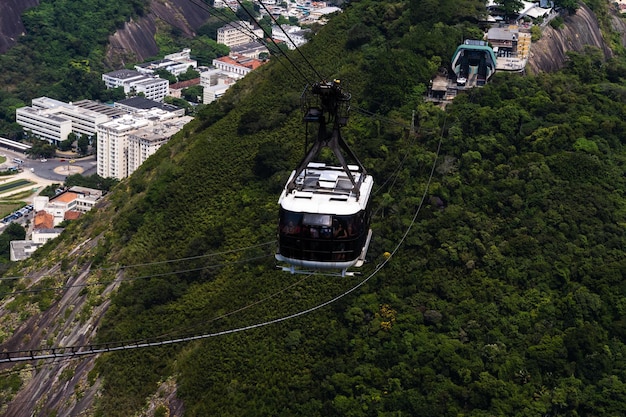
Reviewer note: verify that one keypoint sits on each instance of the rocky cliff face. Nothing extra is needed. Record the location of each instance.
(135, 42)
(11, 26)
(580, 30)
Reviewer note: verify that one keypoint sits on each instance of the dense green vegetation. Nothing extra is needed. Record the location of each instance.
(506, 297)
(61, 55)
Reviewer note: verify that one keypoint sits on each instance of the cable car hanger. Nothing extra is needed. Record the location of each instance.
(331, 106)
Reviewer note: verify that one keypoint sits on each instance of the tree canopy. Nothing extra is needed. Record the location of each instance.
(499, 224)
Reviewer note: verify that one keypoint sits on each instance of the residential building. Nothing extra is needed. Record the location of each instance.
(67, 205)
(59, 204)
(176, 63)
(23, 249)
(135, 83)
(237, 33)
(54, 120)
(113, 145)
(249, 49)
(318, 15)
(292, 36)
(215, 83)
(236, 66)
(116, 158)
(146, 141)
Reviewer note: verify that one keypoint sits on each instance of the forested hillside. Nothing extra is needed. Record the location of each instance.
(504, 218)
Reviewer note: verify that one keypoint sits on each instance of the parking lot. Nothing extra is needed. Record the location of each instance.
(18, 214)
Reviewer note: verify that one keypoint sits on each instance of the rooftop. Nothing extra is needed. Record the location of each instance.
(142, 103)
(65, 197)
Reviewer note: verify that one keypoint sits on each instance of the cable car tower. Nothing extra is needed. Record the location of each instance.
(324, 209)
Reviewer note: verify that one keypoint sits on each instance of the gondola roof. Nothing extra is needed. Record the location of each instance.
(326, 189)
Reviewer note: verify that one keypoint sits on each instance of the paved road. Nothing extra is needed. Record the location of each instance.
(43, 173)
(54, 169)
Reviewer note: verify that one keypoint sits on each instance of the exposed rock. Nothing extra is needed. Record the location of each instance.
(432, 317)
(11, 26)
(136, 41)
(60, 387)
(548, 54)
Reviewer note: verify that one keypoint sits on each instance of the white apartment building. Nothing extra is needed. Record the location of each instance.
(215, 83)
(126, 142)
(54, 120)
(113, 145)
(176, 63)
(292, 36)
(134, 82)
(237, 33)
(146, 141)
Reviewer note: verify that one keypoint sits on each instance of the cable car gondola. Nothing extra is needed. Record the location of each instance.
(324, 208)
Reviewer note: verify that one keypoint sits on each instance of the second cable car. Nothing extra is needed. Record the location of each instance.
(325, 208)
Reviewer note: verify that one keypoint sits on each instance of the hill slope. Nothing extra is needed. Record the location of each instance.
(504, 297)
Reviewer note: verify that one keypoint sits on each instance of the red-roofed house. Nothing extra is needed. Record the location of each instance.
(67, 205)
(237, 66)
(43, 220)
(177, 88)
(72, 215)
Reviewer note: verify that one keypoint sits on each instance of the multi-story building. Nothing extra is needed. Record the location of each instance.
(41, 236)
(250, 50)
(236, 66)
(139, 105)
(126, 142)
(54, 120)
(176, 63)
(215, 83)
(146, 141)
(43, 125)
(292, 36)
(176, 89)
(237, 33)
(86, 198)
(135, 83)
(113, 145)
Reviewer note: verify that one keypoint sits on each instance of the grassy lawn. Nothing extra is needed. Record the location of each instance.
(9, 207)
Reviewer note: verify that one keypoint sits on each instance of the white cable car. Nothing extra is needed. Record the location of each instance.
(324, 209)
